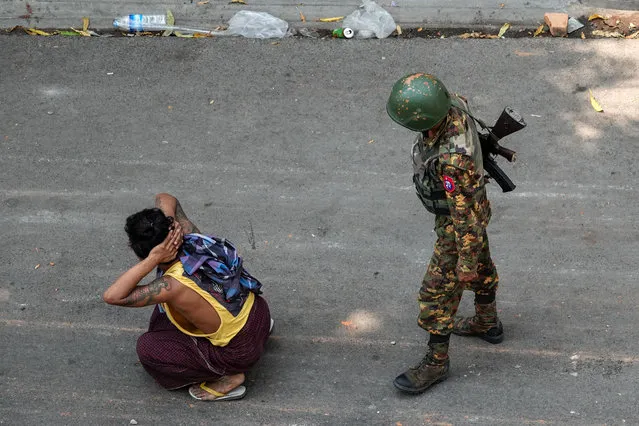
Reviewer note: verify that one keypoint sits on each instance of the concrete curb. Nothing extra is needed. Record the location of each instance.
(207, 15)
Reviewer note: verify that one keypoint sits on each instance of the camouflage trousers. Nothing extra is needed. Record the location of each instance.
(441, 292)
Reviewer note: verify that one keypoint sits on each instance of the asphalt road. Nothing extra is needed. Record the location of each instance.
(285, 148)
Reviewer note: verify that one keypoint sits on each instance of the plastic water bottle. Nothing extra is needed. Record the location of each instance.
(139, 22)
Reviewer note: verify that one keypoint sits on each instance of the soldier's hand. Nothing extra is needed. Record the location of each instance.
(466, 277)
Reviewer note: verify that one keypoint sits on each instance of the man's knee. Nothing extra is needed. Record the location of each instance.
(147, 348)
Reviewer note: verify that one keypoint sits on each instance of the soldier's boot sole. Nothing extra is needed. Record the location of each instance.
(409, 381)
(494, 335)
(417, 391)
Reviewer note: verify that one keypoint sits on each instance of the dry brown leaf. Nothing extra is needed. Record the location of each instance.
(583, 36)
(540, 29)
(202, 3)
(37, 266)
(420, 29)
(237, 1)
(502, 5)
(51, 264)
(302, 17)
(612, 22)
(399, 30)
(85, 23)
(633, 35)
(202, 35)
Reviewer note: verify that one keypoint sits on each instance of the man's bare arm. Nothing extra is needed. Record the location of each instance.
(125, 291)
(157, 291)
(188, 226)
(171, 207)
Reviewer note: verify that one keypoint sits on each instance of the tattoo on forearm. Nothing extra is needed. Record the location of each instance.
(145, 295)
(187, 225)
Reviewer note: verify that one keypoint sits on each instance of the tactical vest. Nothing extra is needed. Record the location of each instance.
(427, 161)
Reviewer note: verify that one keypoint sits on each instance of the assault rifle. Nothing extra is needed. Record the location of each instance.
(508, 122)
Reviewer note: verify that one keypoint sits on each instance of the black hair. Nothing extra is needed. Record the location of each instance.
(147, 229)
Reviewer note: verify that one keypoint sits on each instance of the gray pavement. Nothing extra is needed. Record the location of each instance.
(298, 147)
(208, 14)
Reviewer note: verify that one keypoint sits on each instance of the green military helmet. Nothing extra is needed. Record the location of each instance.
(418, 101)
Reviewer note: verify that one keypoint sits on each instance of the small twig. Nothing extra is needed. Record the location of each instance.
(251, 235)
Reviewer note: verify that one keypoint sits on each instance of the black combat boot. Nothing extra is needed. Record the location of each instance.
(432, 369)
(484, 324)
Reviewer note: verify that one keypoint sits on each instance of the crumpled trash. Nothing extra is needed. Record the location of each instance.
(256, 25)
(370, 20)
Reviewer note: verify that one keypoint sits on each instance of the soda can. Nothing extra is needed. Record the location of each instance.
(343, 33)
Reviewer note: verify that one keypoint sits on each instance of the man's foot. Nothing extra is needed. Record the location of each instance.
(469, 326)
(417, 379)
(225, 388)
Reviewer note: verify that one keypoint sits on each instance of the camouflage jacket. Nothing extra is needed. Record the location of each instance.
(449, 178)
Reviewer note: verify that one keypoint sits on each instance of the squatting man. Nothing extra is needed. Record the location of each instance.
(210, 325)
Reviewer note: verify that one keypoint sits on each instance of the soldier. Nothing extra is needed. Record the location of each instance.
(449, 178)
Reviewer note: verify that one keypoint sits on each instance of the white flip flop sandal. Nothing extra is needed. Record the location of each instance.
(237, 393)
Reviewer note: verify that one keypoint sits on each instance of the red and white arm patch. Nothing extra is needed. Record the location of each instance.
(449, 184)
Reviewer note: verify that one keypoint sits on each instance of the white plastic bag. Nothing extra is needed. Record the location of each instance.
(370, 20)
(256, 25)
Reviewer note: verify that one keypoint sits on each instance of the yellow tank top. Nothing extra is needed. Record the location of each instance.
(229, 325)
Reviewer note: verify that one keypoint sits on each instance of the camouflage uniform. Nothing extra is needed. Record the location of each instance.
(449, 178)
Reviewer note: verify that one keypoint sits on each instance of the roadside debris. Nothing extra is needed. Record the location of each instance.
(244, 23)
(256, 25)
(557, 23)
(620, 25)
(573, 25)
(143, 23)
(343, 33)
(370, 20)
